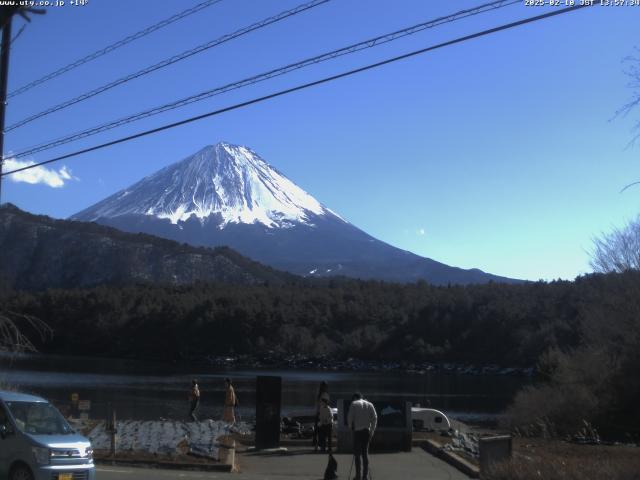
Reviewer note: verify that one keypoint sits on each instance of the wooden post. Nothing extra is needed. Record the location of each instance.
(113, 431)
(4, 73)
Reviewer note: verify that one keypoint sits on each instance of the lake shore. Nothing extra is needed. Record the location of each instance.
(275, 361)
(325, 363)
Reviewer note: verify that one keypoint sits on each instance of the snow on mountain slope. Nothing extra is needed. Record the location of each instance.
(227, 195)
(227, 181)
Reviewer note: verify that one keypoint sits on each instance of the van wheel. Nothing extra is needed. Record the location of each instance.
(20, 472)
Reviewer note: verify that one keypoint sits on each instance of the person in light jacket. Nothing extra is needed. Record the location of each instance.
(230, 403)
(325, 425)
(362, 420)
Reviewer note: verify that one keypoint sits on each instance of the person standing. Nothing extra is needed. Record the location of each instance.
(230, 402)
(362, 420)
(323, 393)
(194, 399)
(325, 425)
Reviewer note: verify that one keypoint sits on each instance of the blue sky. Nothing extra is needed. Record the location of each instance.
(500, 153)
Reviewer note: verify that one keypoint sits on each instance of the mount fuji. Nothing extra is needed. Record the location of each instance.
(227, 195)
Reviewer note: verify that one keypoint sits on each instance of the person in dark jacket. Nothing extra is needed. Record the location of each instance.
(325, 425)
(323, 392)
(194, 399)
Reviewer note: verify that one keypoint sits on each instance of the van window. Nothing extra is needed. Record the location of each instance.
(39, 418)
(3, 417)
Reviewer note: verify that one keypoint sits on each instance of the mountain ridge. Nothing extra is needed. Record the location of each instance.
(39, 252)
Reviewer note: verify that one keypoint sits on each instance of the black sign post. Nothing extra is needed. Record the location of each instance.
(268, 403)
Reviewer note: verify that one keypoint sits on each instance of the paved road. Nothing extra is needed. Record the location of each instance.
(302, 465)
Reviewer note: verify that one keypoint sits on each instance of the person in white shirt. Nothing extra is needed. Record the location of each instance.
(362, 420)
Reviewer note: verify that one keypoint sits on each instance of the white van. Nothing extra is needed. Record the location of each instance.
(37, 443)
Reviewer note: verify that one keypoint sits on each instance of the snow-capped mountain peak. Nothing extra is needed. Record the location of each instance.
(229, 182)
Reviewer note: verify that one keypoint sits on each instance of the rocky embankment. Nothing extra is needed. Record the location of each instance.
(168, 438)
(325, 363)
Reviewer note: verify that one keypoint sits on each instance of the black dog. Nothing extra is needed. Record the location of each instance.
(331, 472)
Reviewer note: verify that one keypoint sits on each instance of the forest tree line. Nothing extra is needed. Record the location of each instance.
(493, 323)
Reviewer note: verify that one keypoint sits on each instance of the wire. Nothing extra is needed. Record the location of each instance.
(114, 46)
(370, 43)
(629, 186)
(169, 61)
(306, 85)
(15, 37)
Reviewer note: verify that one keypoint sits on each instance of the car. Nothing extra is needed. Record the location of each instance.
(37, 443)
(302, 421)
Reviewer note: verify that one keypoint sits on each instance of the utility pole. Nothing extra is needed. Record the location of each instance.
(4, 75)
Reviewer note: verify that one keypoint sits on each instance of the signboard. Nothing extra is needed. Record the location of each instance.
(268, 403)
(391, 414)
(84, 405)
(394, 427)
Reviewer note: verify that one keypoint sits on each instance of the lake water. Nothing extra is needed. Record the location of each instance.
(151, 390)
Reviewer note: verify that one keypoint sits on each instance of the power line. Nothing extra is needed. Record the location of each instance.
(15, 37)
(110, 48)
(370, 43)
(306, 85)
(169, 61)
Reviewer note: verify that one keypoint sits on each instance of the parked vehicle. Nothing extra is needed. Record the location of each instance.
(429, 419)
(302, 422)
(37, 443)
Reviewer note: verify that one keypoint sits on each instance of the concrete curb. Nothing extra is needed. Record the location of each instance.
(164, 464)
(451, 458)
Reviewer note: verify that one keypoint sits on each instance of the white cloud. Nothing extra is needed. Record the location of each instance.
(421, 232)
(35, 175)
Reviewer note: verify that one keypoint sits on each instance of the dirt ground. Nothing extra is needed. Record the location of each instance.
(557, 459)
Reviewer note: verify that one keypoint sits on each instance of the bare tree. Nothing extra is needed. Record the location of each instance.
(619, 250)
(633, 72)
(12, 328)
